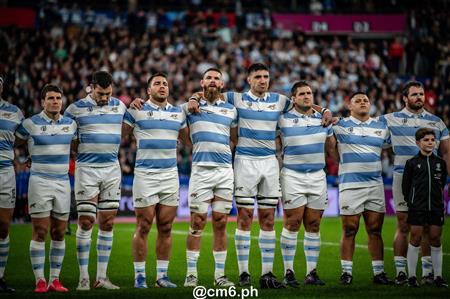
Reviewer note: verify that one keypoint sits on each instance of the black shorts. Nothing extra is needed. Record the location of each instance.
(426, 217)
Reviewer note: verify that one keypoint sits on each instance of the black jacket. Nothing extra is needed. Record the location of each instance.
(423, 182)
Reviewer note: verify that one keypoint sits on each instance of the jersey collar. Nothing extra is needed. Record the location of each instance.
(255, 98)
(48, 119)
(358, 122)
(411, 114)
(157, 107)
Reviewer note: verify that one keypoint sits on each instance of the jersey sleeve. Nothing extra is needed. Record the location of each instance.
(183, 118)
(330, 131)
(444, 130)
(234, 122)
(128, 117)
(69, 112)
(229, 97)
(286, 103)
(23, 131)
(74, 130)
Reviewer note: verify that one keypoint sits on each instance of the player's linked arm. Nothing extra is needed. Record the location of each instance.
(183, 137)
(407, 180)
(445, 152)
(331, 148)
(327, 116)
(233, 138)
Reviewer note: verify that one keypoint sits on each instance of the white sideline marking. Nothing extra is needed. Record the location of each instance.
(180, 232)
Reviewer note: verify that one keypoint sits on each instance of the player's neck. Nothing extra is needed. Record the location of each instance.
(414, 111)
(258, 94)
(162, 104)
(426, 153)
(361, 118)
(304, 110)
(52, 115)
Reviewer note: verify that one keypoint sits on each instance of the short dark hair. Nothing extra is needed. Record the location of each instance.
(48, 88)
(214, 69)
(357, 93)
(257, 67)
(298, 84)
(102, 79)
(159, 74)
(410, 84)
(422, 132)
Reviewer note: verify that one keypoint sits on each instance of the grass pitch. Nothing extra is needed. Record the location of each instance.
(19, 273)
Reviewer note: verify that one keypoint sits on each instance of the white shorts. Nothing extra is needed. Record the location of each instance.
(7, 188)
(257, 177)
(206, 183)
(399, 200)
(102, 181)
(356, 201)
(48, 197)
(151, 188)
(299, 189)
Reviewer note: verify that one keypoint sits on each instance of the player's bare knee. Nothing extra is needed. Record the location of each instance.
(143, 228)
(350, 231)
(293, 224)
(220, 223)
(404, 229)
(415, 239)
(4, 230)
(244, 222)
(40, 233)
(374, 231)
(86, 223)
(313, 226)
(164, 229)
(57, 234)
(435, 240)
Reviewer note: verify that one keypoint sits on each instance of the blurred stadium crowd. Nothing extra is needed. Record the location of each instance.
(70, 43)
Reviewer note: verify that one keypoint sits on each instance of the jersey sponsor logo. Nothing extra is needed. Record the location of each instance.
(378, 132)
(272, 107)
(7, 115)
(90, 109)
(402, 204)
(65, 129)
(239, 188)
(295, 121)
(350, 130)
(150, 114)
(115, 109)
(438, 166)
(80, 192)
(223, 111)
(44, 128)
(405, 120)
(140, 199)
(194, 195)
(345, 208)
(174, 116)
(432, 124)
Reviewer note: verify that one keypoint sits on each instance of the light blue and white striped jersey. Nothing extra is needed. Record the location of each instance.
(359, 146)
(99, 130)
(303, 138)
(156, 132)
(403, 126)
(258, 118)
(210, 133)
(48, 144)
(10, 118)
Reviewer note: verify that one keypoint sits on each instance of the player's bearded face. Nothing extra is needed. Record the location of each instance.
(416, 98)
(159, 89)
(212, 85)
(303, 97)
(101, 95)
